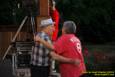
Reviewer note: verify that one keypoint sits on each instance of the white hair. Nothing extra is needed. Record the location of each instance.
(70, 27)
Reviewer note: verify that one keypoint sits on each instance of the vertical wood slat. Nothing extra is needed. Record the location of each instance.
(44, 7)
(5, 41)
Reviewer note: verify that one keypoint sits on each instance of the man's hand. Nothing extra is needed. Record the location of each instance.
(34, 37)
(37, 38)
(76, 62)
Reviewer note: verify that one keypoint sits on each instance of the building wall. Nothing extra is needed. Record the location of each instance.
(6, 37)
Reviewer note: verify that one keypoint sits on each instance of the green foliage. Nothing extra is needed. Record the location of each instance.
(94, 17)
(10, 13)
(5, 11)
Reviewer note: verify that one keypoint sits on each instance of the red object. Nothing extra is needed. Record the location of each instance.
(55, 16)
(86, 52)
(69, 46)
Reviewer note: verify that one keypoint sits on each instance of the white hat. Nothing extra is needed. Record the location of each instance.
(46, 22)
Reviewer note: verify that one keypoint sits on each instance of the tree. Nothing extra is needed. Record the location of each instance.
(10, 13)
(94, 17)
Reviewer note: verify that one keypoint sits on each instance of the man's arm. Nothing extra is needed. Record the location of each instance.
(64, 59)
(45, 43)
(56, 56)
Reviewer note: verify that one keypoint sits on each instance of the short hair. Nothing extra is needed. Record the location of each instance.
(53, 3)
(70, 27)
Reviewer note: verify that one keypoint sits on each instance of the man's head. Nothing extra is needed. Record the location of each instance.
(47, 25)
(52, 5)
(69, 27)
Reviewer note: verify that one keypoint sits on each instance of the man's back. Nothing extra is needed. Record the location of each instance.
(69, 46)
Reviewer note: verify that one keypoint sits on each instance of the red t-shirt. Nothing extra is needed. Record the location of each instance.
(55, 17)
(69, 46)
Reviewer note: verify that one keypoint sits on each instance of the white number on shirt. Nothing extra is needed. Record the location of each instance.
(78, 46)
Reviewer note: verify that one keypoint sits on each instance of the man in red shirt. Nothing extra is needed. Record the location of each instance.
(55, 17)
(68, 45)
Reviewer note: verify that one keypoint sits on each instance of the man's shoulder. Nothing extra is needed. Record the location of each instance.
(67, 36)
(42, 34)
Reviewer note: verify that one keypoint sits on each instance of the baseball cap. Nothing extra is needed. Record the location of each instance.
(46, 22)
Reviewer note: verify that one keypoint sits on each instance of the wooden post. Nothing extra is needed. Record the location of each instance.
(44, 8)
(44, 12)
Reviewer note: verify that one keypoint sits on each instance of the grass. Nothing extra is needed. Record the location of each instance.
(100, 57)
